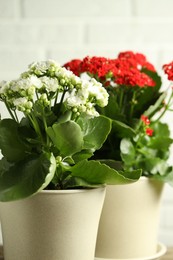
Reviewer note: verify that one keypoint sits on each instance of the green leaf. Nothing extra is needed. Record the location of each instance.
(112, 110)
(95, 172)
(76, 182)
(117, 165)
(168, 177)
(160, 129)
(162, 144)
(95, 131)
(84, 154)
(156, 165)
(67, 137)
(11, 145)
(127, 151)
(26, 177)
(122, 130)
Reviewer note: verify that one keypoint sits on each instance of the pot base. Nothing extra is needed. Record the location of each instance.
(161, 250)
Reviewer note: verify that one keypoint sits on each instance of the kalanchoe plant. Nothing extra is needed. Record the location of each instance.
(138, 138)
(59, 129)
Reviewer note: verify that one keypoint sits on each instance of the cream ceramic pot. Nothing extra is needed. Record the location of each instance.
(130, 220)
(52, 225)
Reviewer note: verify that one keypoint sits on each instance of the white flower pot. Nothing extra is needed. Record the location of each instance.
(130, 220)
(52, 225)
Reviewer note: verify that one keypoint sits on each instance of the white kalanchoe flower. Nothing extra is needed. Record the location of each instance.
(75, 101)
(45, 80)
(50, 84)
(43, 67)
(23, 104)
(85, 76)
(35, 81)
(90, 110)
(96, 90)
(3, 88)
(38, 68)
(44, 99)
(67, 79)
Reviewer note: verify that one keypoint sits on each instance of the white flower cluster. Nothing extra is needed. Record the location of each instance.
(44, 81)
(84, 99)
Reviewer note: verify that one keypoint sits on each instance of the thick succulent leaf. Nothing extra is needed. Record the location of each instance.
(95, 172)
(122, 130)
(67, 137)
(127, 151)
(25, 177)
(160, 143)
(94, 139)
(156, 165)
(112, 110)
(117, 165)
(11, 145)
(161, 129)
(168, 177)
(77, 182)
(84, 154)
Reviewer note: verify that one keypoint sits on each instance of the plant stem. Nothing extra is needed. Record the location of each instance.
(56, 98)
(166, 108)
(16, 116)
(9, 110)
(121, 99)
(35, 124)
(63, 95)
(45, 127)
(132, 106)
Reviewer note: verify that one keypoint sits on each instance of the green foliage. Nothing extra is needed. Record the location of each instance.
(98, 175)
(13, 148)
(66, 137)
(150, 153)
(60, 162)
(25, 177)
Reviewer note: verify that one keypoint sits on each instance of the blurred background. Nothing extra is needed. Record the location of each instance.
(33, 30)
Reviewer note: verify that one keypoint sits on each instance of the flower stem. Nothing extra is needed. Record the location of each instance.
(121, 99)
(132, 105)
(165, 109)
(56, 98)
(35, 124)
(10, 112)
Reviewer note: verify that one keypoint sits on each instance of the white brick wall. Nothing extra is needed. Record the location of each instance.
(36, 30)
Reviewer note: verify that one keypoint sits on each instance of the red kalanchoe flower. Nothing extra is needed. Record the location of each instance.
(145, 119)
(126, 70)
(137, 59)
(74, 66)
(168, 69)
(99, 66)
(149, 131)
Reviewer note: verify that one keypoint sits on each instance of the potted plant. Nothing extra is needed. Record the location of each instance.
(51, 192)
(138, 139)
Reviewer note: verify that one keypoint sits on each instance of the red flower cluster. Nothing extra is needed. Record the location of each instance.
(146, 122)
(137, 60)
(149, 131)
(74, 66)
(168, 69)
(145, 119)
(125, 70)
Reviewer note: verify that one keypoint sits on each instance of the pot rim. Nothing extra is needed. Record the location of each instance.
(71, 190)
